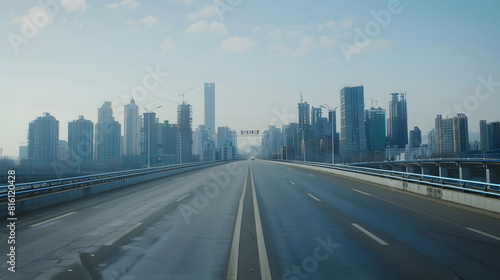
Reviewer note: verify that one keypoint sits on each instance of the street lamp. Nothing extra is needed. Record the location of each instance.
(333, 111)
(149, 111)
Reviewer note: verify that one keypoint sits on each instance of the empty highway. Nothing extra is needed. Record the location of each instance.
(256, 220)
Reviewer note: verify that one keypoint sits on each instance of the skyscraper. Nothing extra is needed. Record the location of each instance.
(169, 139)
(490, 135)
(304, 116)
(80, 139)
(397, 124)
(452, 135)
(375, 129)
(352, 129)
(132, 129)
(210, 110)
(43, 139)
(444, 136)
(184, 133)
(415, 138)
(483, 132)
(107, 135)
(460, 133)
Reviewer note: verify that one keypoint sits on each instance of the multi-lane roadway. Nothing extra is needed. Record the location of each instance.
(256, 220)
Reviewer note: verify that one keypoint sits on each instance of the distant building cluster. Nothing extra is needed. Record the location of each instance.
(145, 141)
(374, 134)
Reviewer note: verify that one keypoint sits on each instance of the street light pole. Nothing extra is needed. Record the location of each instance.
(149, 133)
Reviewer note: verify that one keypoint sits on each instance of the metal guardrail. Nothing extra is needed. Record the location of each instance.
(51, 186)
(486, 189)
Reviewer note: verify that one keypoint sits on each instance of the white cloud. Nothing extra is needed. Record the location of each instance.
(130, 22)
(209, 12)
(184, 2)
(35, 19)
(307, 41)
(74, 5)
(347, 23)
(130, 4)
(150, 21)
(113, 6)
(280, 49)
(214, 27)
(167, 45)
(238, 44)
(135, 29)
(331, 24)
(276, 34)
(294, 34)
(78, 23)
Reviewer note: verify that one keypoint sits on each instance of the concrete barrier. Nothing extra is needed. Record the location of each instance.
(468, 199)
(24, 205)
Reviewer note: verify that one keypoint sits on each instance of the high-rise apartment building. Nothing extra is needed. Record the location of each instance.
(43, 139)
(81, 139)
(452, 135)
(415, 138)
(184, 133)
(107, 135)
(375, 129)
(132, 129)
(490, 135)
(352, 122)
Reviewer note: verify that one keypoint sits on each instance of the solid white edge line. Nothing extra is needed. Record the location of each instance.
(311, 175)
(232, 271)
(111, 242)
(265, 271)
(373, 236)
(313, 197)
(283, 177)
(182, 197)
(53, 219)
(484, 233)
(361, 192)
(292, 183)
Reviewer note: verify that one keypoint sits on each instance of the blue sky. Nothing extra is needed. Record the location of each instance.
(259, 53)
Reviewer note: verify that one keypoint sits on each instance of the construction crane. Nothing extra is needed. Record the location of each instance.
(372, 100)
(184, 93)
(301, 98)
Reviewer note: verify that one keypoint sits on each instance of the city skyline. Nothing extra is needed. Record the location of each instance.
(94, 52)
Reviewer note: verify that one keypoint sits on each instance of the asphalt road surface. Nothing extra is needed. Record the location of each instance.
(255, 220)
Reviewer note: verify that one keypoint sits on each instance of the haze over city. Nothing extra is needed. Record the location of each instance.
(260, 55)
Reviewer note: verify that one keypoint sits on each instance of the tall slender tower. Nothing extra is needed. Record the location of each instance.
(210, 110)
(132, 129)
(184, 133)
(397, 124)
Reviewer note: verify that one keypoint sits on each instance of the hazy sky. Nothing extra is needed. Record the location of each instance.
(70, 57)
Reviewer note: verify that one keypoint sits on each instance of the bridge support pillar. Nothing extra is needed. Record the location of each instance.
(443, 171)
(491, 176)
(464, 173)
